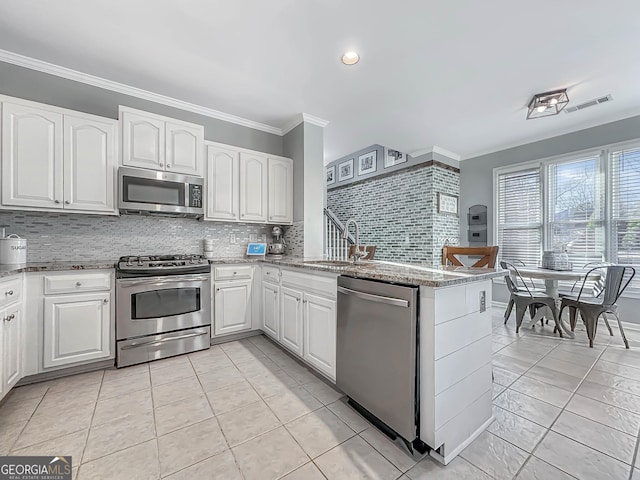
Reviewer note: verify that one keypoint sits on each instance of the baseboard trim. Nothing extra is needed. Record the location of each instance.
(65, 372)
(454, 453)
(234, 336)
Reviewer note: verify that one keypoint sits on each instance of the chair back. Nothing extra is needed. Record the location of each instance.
(616, 281)
(488, 260)
(512, 278)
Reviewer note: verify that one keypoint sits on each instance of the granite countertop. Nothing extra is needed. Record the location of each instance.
(6, 270)
(427, 275)
(431, 276)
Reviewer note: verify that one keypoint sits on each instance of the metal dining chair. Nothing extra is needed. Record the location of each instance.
(596, 290)
(616, 280)
(525, 298)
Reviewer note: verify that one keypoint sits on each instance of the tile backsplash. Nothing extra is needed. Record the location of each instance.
(68, 237)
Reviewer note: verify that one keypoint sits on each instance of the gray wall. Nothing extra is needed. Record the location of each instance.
(476, 180)
(44, 88)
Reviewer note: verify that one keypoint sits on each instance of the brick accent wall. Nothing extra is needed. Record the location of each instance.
(398, 212)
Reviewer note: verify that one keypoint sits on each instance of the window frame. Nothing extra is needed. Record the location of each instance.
(606, 167)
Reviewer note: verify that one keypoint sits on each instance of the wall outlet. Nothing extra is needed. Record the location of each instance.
(483, 301)
(232, 238)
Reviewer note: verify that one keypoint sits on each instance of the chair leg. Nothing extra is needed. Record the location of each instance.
(624, 337)
(556, 317)
(590, 320)
(520, 311)
(606, 322)
(573, 311)
(507, 312)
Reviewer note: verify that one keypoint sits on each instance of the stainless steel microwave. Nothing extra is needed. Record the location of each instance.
(151, 192)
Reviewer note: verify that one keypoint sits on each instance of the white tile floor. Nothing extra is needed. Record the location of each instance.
(248, 410)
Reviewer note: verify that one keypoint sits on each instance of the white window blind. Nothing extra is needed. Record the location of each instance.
(625, 209)
(575, 209)
(519, 216)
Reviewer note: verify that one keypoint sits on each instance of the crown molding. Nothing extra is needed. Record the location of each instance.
(435, 149)
(303, 117)
(63, 72)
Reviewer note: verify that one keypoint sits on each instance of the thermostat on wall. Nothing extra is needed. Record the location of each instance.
(257, 249)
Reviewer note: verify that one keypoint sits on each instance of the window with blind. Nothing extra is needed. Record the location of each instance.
(575, 209)
(625, 209)
(519, 216)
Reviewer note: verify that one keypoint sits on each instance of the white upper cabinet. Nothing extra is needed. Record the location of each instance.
(90, 150)
(253, 187)
(57, 159)
(223, 182)
(280, 187)
(185, 144)
(142, 141)
(31, 157)
(161, 143)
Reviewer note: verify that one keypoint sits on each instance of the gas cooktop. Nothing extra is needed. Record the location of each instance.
(145, 265)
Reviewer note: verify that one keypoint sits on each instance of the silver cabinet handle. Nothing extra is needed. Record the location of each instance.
(78, 284)
(56, 201)
(197, 333)
(162, 164)
(6, 319)
(397, 302)
(67, 202)
(106, 300)
(168, 165)
(217, 289)
(297, 300)
(10, 292)
(12, 316)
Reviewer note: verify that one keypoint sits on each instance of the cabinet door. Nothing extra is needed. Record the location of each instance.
(223, 179)
(291, 319)
(76, 328)
(280, 187)
(11, 346)
(31, 157)
(253, 188)
(270, 309)
(89, 164)
(185, 145)
(320, 333)
(232, 307)
(142, 141)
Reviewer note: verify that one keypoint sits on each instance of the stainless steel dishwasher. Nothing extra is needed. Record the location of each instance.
(376, 357)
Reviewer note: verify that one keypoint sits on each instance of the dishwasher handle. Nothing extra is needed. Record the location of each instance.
(396, 302)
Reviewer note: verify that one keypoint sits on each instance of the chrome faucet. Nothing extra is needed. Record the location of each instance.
(357, 253)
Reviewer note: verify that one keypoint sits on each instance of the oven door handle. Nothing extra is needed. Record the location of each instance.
(164, 340)
(134, 282)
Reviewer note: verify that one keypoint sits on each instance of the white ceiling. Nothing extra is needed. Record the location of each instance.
(453, 74)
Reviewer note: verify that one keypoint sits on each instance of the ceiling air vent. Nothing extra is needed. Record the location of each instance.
(590, 103)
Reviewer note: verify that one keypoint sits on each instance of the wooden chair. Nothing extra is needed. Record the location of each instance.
(488, 260)
(370, 249)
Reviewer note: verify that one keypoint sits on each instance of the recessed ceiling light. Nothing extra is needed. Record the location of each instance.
(350, 58)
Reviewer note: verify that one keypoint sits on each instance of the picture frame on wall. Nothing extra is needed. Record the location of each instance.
(448, 204)
(368, 163)
(331, 175)
(393, 157)
(345, 170)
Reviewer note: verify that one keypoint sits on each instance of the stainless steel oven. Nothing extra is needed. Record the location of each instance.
(161, 193)
(163, 308)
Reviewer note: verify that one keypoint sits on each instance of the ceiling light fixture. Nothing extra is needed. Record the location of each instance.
(547, 103)
(350, 58)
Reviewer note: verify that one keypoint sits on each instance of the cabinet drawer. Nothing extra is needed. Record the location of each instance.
(87, 282)
(314, 283)
(11, 291)
(270, 274)
(233, 272)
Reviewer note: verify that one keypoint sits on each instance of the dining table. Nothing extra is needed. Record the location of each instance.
(551, 279)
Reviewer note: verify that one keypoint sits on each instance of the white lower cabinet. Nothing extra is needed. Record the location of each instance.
(232, 307)
(299, 312)
(76, 328)
(271, 309)
(291, 313)
(11, 341)
(320, 333)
